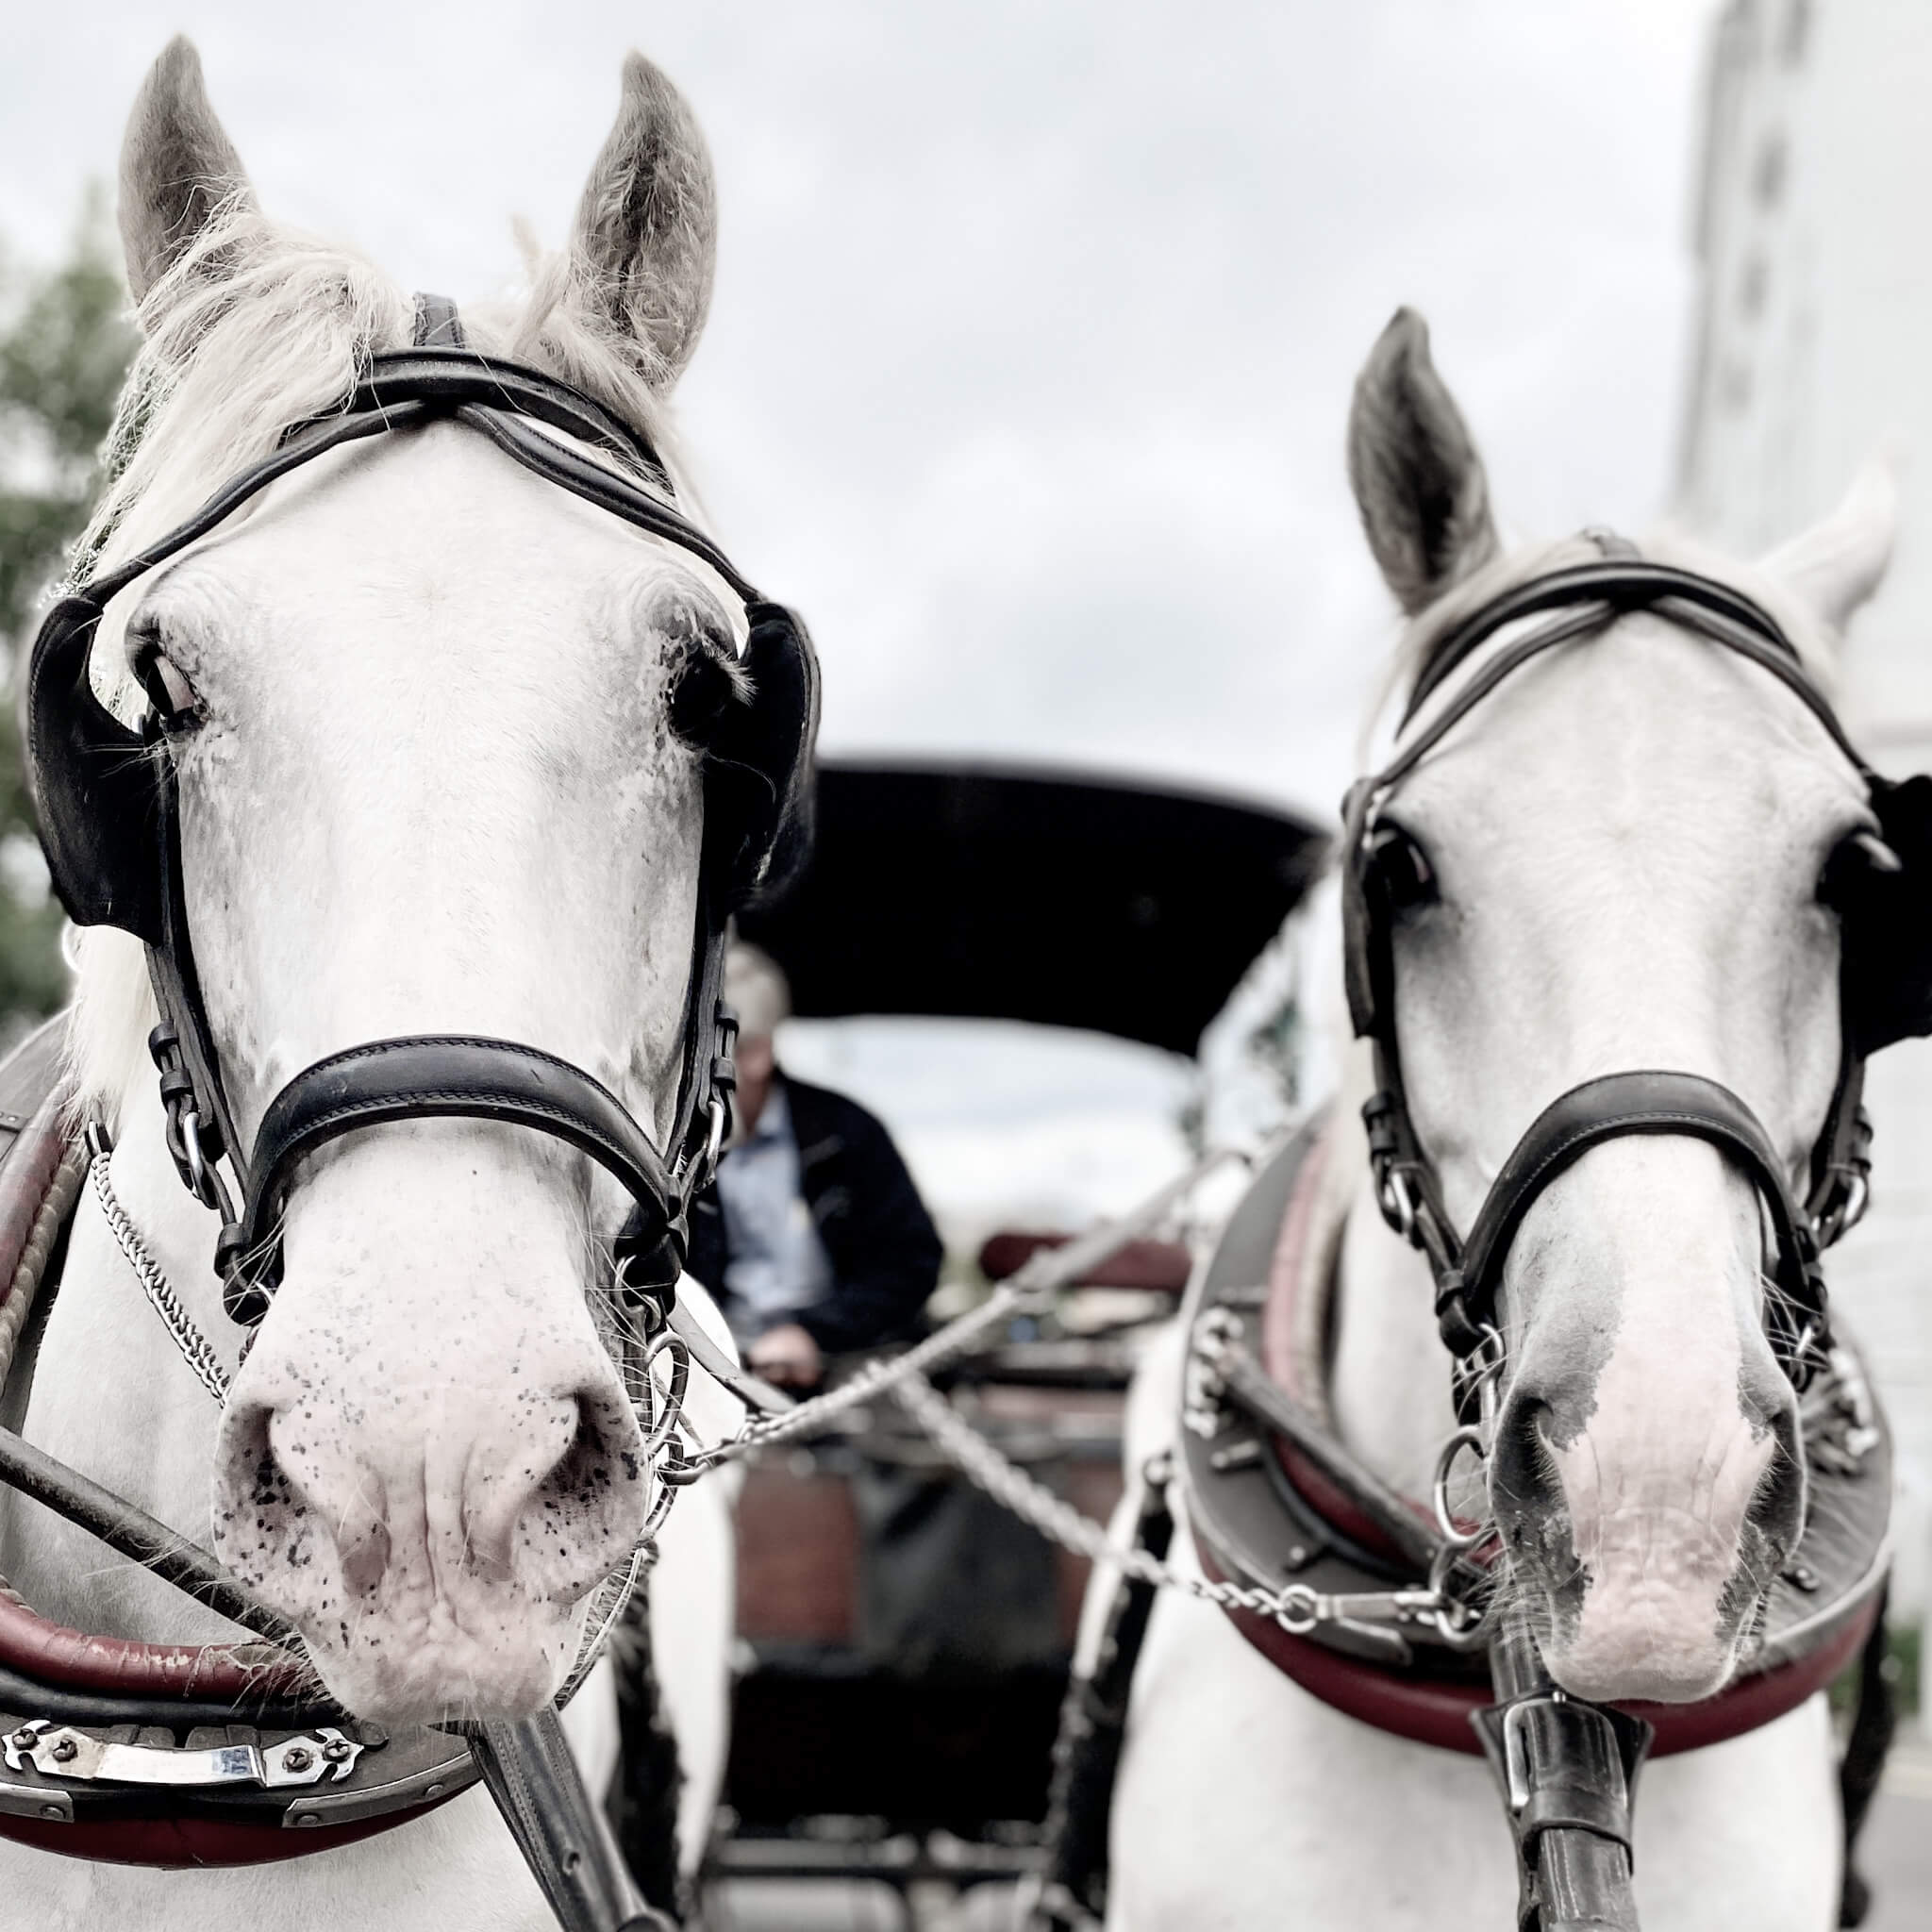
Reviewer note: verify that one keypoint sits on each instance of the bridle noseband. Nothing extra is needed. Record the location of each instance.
(108, 803)
(1886, 985)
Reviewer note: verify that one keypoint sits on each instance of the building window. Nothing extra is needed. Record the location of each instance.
(1768, 175)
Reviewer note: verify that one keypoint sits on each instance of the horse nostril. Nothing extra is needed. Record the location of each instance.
(1778, 1509)
(1522, 1475)
(589, 1499)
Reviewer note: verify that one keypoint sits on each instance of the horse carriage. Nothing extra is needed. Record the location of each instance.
(905, 1642)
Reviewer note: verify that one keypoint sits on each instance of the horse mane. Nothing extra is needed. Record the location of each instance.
(256, 328)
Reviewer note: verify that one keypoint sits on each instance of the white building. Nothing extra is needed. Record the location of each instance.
(1814, 350)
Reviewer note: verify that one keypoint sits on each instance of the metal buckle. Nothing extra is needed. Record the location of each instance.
(1849, 1200)
(1516, 1767)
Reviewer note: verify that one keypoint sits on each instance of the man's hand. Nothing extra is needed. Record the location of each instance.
(786, 1355)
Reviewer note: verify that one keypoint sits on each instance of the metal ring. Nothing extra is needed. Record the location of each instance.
(661, 1507)
(1463, 1626)
(1396, 1196)
(1469, 1631)
(1834, 1225)
(666, 1341)
(1305, 1612)
(1467, 1436)
(204, 1180)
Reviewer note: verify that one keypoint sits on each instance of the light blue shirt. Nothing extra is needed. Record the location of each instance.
(775, 1264)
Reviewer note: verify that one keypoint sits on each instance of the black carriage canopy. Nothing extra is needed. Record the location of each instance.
(987, 891)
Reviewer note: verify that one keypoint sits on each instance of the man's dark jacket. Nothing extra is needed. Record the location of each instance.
(884, 1250)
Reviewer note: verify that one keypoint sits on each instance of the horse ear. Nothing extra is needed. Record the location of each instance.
(179, 168)
(1418, 481)
(1838, 562)
(646, 235)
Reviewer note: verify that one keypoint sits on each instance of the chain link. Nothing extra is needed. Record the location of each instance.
(1025, 1292)
(1297, 1607)
(196, 1350)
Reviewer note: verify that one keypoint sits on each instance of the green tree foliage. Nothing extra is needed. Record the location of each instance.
(64, 347)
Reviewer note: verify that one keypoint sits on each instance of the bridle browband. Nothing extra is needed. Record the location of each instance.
(108, 804)
(1885, 984)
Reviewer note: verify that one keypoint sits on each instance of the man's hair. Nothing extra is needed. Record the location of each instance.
(755, 983)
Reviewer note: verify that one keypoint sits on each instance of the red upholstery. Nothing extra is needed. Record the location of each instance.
(1436, 1710)
(1162, 1266)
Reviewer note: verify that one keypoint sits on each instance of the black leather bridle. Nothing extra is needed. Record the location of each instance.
(108, 804)
(1885, 984)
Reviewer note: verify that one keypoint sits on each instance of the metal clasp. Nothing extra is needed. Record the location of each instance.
(306, 1759)
(1396, 1196)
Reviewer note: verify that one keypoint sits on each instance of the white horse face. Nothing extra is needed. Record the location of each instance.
(1624, 850)
(430, 785)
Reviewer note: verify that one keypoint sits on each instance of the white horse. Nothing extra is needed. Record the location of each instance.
(1626, 842)
(432, 788)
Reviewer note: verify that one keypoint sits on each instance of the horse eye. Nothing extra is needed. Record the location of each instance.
(1402, 869)
(175, 702)
(1855, 862)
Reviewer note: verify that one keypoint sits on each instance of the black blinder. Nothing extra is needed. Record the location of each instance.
(1362, 961)
(1887, 925)
(93, 784)
(758, 765)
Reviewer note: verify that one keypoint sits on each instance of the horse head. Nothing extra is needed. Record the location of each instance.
(434, 777)
(1626, 857)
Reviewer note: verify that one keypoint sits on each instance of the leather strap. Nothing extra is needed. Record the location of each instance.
(437, 325)
(460, 1076)
(1585, 599)
(1647, 1102)
(449, 375)
(561, 1833)
(431, 1076)
(1620, 582)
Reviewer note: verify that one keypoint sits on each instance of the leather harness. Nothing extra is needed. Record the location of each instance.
(107, 800)
(1886, 979)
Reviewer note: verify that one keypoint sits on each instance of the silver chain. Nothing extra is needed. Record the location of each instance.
(1024, 1293)
(196, 1350)
(1297, 1607)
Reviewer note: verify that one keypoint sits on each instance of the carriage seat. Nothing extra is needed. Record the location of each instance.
(1160, 1266)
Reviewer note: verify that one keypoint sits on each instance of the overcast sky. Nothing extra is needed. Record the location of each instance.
(1035, 324)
